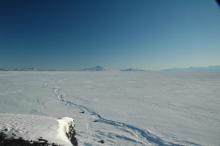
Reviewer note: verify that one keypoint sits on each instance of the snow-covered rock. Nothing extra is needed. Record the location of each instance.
(36, 130)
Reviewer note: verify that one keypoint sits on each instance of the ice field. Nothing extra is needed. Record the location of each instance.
(121, 108)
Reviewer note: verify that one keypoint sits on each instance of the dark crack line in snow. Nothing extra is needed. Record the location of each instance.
(143, 135)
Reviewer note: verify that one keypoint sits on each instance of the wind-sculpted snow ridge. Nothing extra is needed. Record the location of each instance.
(17, 129)
(126, 133)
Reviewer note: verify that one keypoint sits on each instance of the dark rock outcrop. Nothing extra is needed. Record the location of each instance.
(10, 141)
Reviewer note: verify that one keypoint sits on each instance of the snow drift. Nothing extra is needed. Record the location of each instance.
(17, 129)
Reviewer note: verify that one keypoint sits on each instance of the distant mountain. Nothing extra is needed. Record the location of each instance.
(19, 69)
(95, 68)
(3, 69)
(132, 69)
(25, 69)
(195, 69)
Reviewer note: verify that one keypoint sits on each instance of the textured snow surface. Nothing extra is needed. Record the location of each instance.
(121, 108)
(33, 128)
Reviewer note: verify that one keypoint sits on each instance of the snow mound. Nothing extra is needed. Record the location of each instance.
(37, 129)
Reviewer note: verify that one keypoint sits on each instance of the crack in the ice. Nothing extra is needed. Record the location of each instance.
(143, 136)
(114, 135)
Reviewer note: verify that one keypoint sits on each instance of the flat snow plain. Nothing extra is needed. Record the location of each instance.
(121, 108)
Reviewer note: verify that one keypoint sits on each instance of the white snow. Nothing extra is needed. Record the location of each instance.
(121, 108)
(33, 127)
(63, 128)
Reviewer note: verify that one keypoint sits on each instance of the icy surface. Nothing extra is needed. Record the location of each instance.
(33, 128)
(122, 108)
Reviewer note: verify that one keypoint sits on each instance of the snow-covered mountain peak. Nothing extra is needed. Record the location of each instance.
(95, 68)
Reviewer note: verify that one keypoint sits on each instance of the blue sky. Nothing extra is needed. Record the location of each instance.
(148, 34)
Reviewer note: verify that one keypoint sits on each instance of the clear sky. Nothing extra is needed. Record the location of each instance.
(148, 34)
